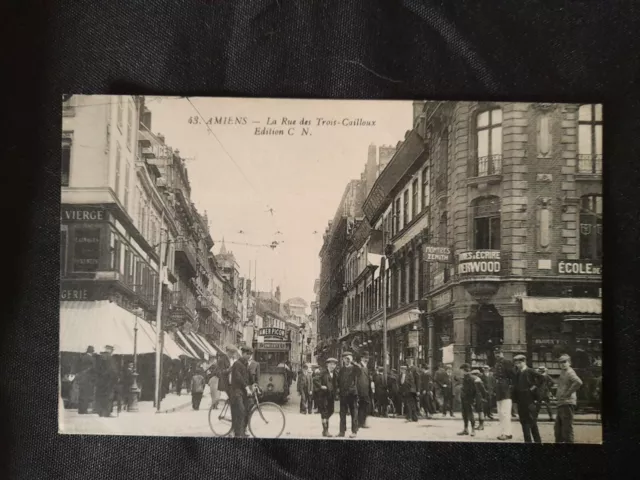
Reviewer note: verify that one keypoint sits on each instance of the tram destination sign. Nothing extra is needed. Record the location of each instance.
(431, 253)
(274, 346)
(479, 262)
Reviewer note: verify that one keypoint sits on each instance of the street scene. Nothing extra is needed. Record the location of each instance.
(366, 270)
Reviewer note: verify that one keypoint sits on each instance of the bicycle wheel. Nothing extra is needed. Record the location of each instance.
(220, 420)
(267, 420)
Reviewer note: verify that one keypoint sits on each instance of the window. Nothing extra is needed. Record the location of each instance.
(486, 223)
(590, 139)
(86, 249)
(126, 186)
(489, 142)
(425, 188)
(412, 278)
(397, 217)
(66, 163)
(118, 158)
(127, 266)
(403, 282)
(591, 227)
(415, 206)
(405, 212)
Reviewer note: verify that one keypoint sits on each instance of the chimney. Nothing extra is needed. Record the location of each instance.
(385, 152)
(160, 137)
(277, 294)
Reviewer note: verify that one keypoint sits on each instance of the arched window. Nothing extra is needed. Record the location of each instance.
(489, 142)
(486, 223)
(591, 227)
(590, 139)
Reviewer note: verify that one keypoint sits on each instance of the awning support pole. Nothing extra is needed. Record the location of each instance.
(159, 317)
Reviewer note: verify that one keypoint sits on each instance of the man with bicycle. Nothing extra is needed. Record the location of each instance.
(240, 389)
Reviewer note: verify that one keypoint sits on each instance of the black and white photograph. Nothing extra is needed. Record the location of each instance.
(331, 269)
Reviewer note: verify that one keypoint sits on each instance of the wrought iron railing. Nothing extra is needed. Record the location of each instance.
(489, 165)
(591, 163)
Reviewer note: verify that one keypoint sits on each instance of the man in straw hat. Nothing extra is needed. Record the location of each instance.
(325, 386)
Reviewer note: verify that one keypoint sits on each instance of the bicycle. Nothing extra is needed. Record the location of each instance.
(270, 416)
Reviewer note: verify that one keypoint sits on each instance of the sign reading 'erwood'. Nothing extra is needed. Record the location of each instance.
(483, 262)
(436, 254)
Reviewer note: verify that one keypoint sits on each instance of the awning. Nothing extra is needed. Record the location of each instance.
(562, 305)
(212, 351)
(186, 344)
(405, 318)
(100, 323)
(198, 342)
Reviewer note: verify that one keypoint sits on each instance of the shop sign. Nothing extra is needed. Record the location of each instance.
(413, 339)
(82, 291)
(441, 300)
(73, 213)
(274, 346)
(431, 253)
(271, 332)
(484, 262)
(86, 251)
(579, 267)
(548, 341)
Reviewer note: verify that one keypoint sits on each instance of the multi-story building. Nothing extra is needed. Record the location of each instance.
(495, 219)
(231, 299)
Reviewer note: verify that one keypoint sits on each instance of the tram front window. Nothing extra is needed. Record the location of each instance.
(270, 360)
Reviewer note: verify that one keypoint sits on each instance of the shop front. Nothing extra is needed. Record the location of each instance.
(439, 329)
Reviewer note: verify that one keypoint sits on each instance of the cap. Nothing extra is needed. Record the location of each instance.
(90, 349)
(344, 354)
(564, 357)
(107, 347)
(486, 367)
(476, 371)
(542, 368)
(520, 358)
(331, 360)
(465, 366)
(365, 354)
(246, 350)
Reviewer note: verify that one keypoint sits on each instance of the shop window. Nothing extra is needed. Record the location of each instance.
(86, 249)
(66, 163)
(425, 188)
(489, 142)
(415, 207)
(591, 227)
(486, 223)
(590, 139)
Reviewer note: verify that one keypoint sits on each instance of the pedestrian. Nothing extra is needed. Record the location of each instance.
(197, 388)
(409, 391)
(348, 392)
(239, 391)
(305, 389)
(381, 393)
(427, 394)
(566, 399)
(444, 381)
(365, 390)
(504, 375)
(394, 391)
(481, 397)
(126, 384)
(86, 380)
(544, 396)
(316, 372)
(107, 378)
(490, 385)
(525, 394)
(214, 381)
(325, 386)
(468, 396)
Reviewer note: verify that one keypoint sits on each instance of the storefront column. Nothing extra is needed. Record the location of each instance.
(515, 329)
(431, 342)
(461, 333)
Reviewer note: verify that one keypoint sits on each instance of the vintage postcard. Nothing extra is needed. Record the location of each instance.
(331, 269)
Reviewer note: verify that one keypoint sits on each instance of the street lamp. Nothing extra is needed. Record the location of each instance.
(135, 390)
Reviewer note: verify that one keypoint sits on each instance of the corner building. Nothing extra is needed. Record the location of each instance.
(514, 191)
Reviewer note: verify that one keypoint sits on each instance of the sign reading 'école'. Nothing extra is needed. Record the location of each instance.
(483, 262)
(579, 267)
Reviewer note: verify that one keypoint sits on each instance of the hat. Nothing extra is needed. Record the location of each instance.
(107, 347)
(476, 371)
(465, 366)
(486, 367)
(542, 368)
(344, 354)
(331, 360)
(90, 349)
(365, 354)
(403, 366)
(246, 350)
(564, 358)
(520, 358)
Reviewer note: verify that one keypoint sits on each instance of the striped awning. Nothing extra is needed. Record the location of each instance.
(212, 350)
(562, 305)
(186, 344)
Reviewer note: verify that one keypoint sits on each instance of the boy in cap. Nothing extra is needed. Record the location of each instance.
(481, 397)
(467, 399)
(525, 395)
(325, 386)
(568, 385)
(545, 391)
(348, 389)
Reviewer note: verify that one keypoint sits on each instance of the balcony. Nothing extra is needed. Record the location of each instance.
(489, 165)
(204, 304)
(145, 296)
(183, 302)
(589, 165)
(186, 255)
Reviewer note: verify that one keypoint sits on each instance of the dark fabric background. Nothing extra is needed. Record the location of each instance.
(508, 50)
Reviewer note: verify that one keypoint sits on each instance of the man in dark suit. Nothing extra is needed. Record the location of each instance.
(239, 391)
(394, 391)
(444, 381)
(490, 385)
(381, 393)
(365, 391)
(427, 393)
(325, 386)
(525, 394)
(409, 389)
(305, 389)
(504, 375)
(348, 390)
(86, 371)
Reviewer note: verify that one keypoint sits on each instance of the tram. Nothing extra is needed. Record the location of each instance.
(271, 350)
